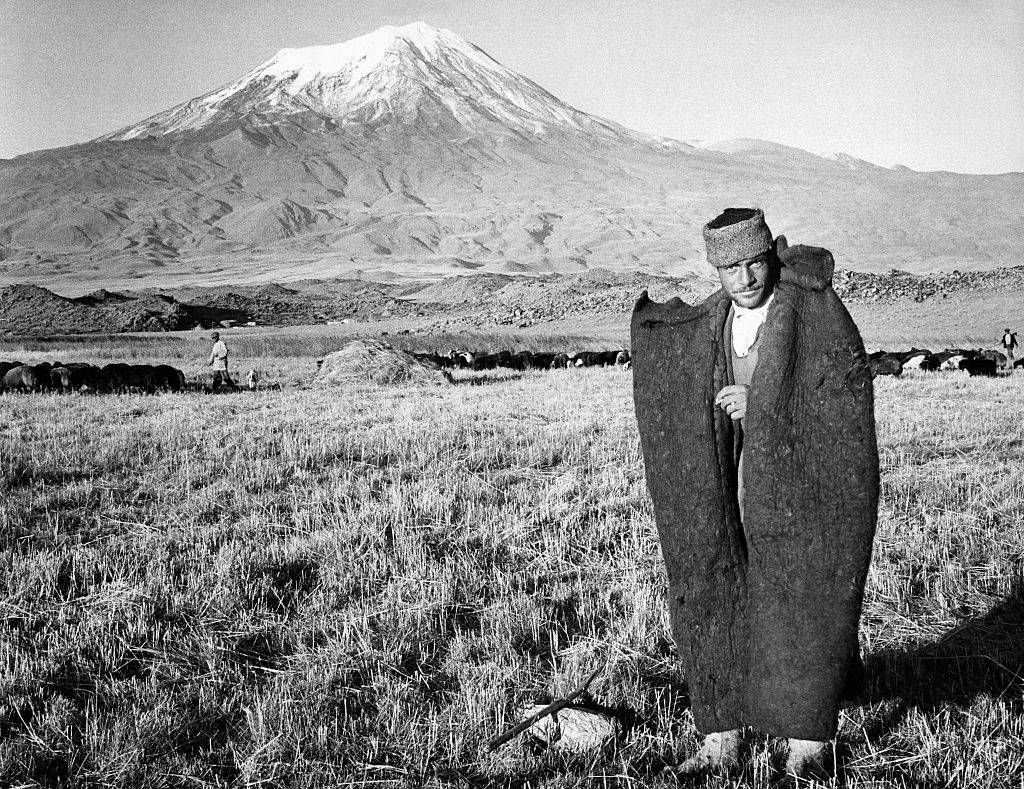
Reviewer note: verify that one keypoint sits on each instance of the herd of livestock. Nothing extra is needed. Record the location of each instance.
(119, 377)
(978, 362)
(78, 377)
(974, 362)
(526, 360)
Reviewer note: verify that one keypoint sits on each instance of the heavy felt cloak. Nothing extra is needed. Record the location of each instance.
(765, 612)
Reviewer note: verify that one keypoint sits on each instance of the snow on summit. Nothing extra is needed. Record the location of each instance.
(360, 56)
(414, 74)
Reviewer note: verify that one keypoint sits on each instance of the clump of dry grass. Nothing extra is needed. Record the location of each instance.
(359, 587)
(372, 361)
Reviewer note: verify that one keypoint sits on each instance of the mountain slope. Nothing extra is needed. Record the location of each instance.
(409, 152)
(395, 75)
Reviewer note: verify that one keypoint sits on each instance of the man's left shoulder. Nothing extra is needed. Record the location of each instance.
(805, 267)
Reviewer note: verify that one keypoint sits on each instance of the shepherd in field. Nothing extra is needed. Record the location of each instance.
(219, 362)
(1009, 343)
(756, 419)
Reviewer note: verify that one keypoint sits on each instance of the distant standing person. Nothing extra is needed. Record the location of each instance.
(1009, 344)
(219, 362)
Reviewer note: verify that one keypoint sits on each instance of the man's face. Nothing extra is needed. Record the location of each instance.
(749, 283)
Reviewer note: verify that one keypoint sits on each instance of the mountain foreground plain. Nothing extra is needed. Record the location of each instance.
(410, 153)
(361, 586)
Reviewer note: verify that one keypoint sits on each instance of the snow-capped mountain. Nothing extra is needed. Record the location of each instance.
(409, 74)
(847, 161)
(410, 152)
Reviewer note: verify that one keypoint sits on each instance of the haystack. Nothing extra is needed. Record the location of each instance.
(371, 361)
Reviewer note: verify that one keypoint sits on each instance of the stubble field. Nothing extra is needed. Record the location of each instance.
(360, 587)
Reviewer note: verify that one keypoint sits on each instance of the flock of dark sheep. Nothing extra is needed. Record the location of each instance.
(148, 378)
(80, 377)
(977, 362)
(526, 360)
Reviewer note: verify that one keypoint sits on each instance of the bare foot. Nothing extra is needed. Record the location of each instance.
(719, 753)
(809, 759)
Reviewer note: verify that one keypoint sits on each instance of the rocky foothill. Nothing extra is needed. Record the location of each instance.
(858, 287)
(457, 303)
(32, 310)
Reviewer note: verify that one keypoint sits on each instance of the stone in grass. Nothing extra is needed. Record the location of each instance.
(573, 728)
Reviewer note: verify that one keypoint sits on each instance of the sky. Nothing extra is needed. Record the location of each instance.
(930, 84)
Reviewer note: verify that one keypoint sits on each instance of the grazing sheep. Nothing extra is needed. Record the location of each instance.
(27, 378)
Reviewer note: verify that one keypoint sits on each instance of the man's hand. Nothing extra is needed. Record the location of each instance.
(733, 400)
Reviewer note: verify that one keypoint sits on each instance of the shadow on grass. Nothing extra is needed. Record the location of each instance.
(981, 656)
(486, 379)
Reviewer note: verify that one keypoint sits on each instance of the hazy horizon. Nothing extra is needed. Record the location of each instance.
(930, 85)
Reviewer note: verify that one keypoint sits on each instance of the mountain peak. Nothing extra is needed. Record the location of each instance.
(359, 56)
(846, 160)
(414, 75)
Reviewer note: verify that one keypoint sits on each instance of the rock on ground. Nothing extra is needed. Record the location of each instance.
(573, 728)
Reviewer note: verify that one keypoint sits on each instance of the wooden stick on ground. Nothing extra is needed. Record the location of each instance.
(554, 707)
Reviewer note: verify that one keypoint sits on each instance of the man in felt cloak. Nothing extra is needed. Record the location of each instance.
(756, 420)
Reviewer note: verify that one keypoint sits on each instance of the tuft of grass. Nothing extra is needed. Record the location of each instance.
(360, 587)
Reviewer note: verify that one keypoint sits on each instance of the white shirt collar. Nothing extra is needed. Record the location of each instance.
(746, 323)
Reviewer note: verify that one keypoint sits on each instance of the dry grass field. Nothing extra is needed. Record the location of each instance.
(360, 587)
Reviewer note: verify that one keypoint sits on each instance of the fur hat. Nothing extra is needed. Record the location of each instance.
(736, 234)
